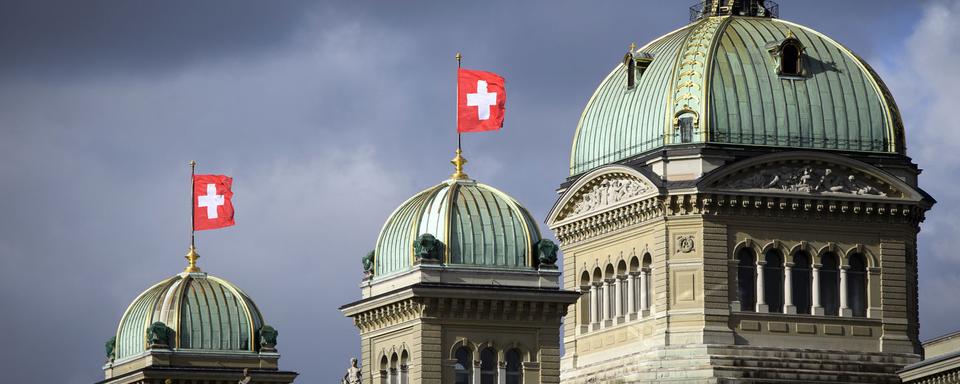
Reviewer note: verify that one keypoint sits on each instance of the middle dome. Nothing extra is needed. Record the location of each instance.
(477, 224)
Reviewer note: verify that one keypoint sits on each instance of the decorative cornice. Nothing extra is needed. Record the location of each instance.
(428, 308)
(847, 208)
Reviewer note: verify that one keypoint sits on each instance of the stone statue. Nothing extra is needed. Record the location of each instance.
(353, 375)
(159, 334)
(806, 179)
(111, 346)
(547, 250)
(268, 337)
(368, 263)
(427, 247)
(245, 379)
(608, 192)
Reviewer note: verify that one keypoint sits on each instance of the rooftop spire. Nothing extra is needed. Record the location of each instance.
(458, 162)
(192, 257)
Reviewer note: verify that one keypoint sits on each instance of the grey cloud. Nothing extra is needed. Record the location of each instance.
(328, 115)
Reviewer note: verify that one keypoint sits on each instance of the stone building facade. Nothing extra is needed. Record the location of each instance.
(740, 209)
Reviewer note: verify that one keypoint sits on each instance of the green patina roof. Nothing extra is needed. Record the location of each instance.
(721, 70)
(205, 313)
(479, 226)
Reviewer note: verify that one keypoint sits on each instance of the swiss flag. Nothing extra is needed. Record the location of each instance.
(212, 205)
(481, 99)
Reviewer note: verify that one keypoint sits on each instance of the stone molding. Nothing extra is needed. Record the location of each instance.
(656, 207)
(458, 308)
(879, 211)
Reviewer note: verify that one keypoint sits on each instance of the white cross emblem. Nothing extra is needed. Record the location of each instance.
(210, 201)
(483, 100)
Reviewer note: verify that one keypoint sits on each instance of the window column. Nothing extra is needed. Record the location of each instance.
(632, 295)
(788, 306)
(817, 308)
(618, 299)
(845, 310)
(645, 292)
(477, 372)
(502, 372)
(607, 297)
(595, 304)
(761, 301)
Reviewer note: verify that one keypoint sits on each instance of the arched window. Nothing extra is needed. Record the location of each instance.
(746, 280)
(384, 367)
(584, 309)
(488, 366)
(394, 369)
(800, 281)
(830, 285)
(404, 367)
(857, 285)
(790, 59)
(463, 369)
(631, 64)
(773, 280)
(685, 123)
(646, 284)
(514, 369)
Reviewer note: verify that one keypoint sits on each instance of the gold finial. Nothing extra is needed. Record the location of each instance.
(192, 257)
(458, 163)
(633, 47)
(459, 57)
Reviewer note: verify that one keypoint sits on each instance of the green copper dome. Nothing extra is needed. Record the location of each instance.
(204, 313)
(719, 80)
(476, 224)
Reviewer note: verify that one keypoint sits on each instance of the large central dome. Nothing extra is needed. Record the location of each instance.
(721, 80)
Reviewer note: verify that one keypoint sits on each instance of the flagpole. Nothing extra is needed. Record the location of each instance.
(192, 253)
(457, 100)
(193, 196)
(458, 161)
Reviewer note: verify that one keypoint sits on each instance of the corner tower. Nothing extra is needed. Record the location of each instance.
(461, 288)
(740, 209)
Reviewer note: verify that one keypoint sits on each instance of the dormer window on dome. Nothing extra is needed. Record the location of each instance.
(636, 63)
(788, 55)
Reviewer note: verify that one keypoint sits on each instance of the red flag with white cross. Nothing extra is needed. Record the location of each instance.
(212, 202)
(481, 100)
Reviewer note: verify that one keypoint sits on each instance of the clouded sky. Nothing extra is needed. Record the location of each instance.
(328, 115)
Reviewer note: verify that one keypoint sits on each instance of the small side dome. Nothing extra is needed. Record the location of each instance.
(476, 225)
(201, 312)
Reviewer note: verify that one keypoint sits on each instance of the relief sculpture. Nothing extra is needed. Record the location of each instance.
(608, 192)
(807, 179)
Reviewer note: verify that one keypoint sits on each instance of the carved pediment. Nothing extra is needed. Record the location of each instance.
(602, 192)
(807, 177)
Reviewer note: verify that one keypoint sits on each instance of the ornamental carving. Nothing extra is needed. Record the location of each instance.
(607, 192)
(685, 244)
(809, 179)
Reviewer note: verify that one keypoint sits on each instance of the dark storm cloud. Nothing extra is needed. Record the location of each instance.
(53, 37)
(327, 114)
